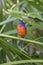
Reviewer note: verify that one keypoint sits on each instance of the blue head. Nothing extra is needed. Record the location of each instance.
(22, 23)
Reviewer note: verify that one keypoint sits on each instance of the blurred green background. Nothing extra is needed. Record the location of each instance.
(31, 12)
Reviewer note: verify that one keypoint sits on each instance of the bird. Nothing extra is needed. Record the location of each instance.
(21, 29)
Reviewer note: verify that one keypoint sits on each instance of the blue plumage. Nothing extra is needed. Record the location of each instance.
(22, 23)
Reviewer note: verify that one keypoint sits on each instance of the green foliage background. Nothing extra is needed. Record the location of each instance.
(31, 12)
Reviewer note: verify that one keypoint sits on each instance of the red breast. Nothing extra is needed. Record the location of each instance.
(21, 31)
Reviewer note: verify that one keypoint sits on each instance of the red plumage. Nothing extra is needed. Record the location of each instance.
(21, 30)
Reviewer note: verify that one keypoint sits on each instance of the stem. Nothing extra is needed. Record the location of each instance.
(22, 61)
(22, 39)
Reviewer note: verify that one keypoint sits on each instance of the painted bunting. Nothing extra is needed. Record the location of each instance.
(21, 29)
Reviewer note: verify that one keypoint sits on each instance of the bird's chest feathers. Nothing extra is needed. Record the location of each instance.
(21, 30)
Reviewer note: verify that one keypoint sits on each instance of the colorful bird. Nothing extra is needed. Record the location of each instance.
(21, 29)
